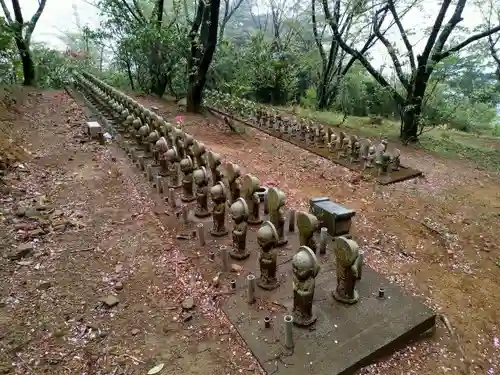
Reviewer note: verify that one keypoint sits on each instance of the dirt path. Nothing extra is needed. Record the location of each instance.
(438, 235)
(77, 225)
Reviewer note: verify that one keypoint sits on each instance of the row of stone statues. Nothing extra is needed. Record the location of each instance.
(204, 179)
(341, 145)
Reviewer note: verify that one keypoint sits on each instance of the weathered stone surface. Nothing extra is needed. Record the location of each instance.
(333, 216)
(110, 301)
(23, 250)
(344, 337)
(188, 303)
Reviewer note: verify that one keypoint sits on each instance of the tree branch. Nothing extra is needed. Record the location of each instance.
(317, 39)
(466, 42)
(435, 30)
(6, 12)
(332, 19)
(397, 20)
(129, 8)
(390, 49)
(455, 19)
(138, 10)
(228, 14)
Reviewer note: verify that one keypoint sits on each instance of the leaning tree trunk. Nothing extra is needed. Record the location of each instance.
(412, 111)
(207, 16)
(27, 62)
(321, 99)
(194, 97)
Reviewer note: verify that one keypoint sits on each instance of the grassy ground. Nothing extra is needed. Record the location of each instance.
(481, 149)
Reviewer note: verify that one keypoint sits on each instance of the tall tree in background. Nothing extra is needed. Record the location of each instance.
(414, 82)
(334, 65)
(22, 33)
(203, 40)
(230, 7)
(494, 40)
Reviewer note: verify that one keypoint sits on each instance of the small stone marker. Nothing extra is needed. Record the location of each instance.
(188, 303)
(94, 129)
(23, 250)
(110, 301)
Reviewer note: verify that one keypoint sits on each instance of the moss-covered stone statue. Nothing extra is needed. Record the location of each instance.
(140, 137)
(276, 207)
(201, 181)
(187, 179)
(232, 174)
(218, 194)
(267, 238)
(153, 137)
(214, 165)
(199, 154)
(307, 224)
(173, 161)
(305, 269)
(178, 139)
(249, 186)
(188, 146)
(161, 148)
(348, 266)
(239, 214)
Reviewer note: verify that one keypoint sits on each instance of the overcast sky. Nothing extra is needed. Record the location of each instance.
(59, 16)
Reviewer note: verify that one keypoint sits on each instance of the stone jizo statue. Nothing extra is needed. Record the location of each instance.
(232, 175)
(239, 214)
(267, 238)
(201, 181)
(187, 180)
(161, 148)
(140, 136)
(199, 154)
(188, 145)
(347, 260)
(305, 269)
(249, 186)
(214, 165)
(218, 194)
(308, 224)
(153, 137)
(178, 138)
(276, 208)
(173, 161)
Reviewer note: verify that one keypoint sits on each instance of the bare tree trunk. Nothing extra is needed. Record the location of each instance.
(207, 17)
(27, 62)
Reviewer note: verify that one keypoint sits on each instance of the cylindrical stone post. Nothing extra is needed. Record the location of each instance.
(224, 253)
(251, 288)
(361, 262)
(266, 208)
(288, 322)
(164, 183)
(323, 238)
(159, 184)
(200, 231)
(149, 173)
(171, 197)
(141, 162)
(185, 213)
(291, 221)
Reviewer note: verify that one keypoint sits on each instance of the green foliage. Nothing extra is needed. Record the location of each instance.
(52, 67)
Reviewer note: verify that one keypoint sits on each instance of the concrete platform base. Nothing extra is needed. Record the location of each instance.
(344, 337)
(404, 173)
